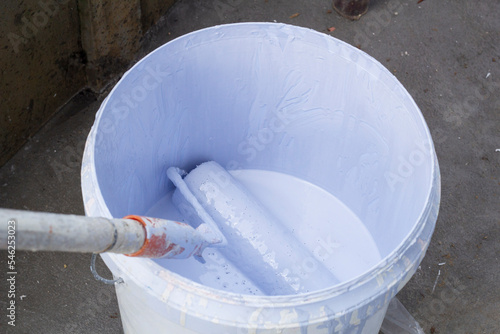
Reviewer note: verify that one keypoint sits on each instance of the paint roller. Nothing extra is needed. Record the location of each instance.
(225, 214)
(255, 241)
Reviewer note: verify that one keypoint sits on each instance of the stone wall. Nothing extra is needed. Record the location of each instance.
(52, 49)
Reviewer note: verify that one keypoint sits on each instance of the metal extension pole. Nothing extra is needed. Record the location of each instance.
(57, 232)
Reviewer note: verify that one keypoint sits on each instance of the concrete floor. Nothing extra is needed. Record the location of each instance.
(446, 53)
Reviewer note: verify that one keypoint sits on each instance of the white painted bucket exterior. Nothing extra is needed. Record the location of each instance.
(274, 97)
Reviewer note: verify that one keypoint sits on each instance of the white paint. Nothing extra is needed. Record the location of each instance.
(322, 224)
(258, 243)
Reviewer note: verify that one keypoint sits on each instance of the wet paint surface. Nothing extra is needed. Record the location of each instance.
(322, 225)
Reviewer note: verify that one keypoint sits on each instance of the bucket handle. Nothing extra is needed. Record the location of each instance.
(99, 277)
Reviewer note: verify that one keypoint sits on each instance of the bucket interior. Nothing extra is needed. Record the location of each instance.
(279, 100)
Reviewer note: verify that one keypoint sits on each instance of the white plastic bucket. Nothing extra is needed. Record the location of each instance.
(272, 97)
